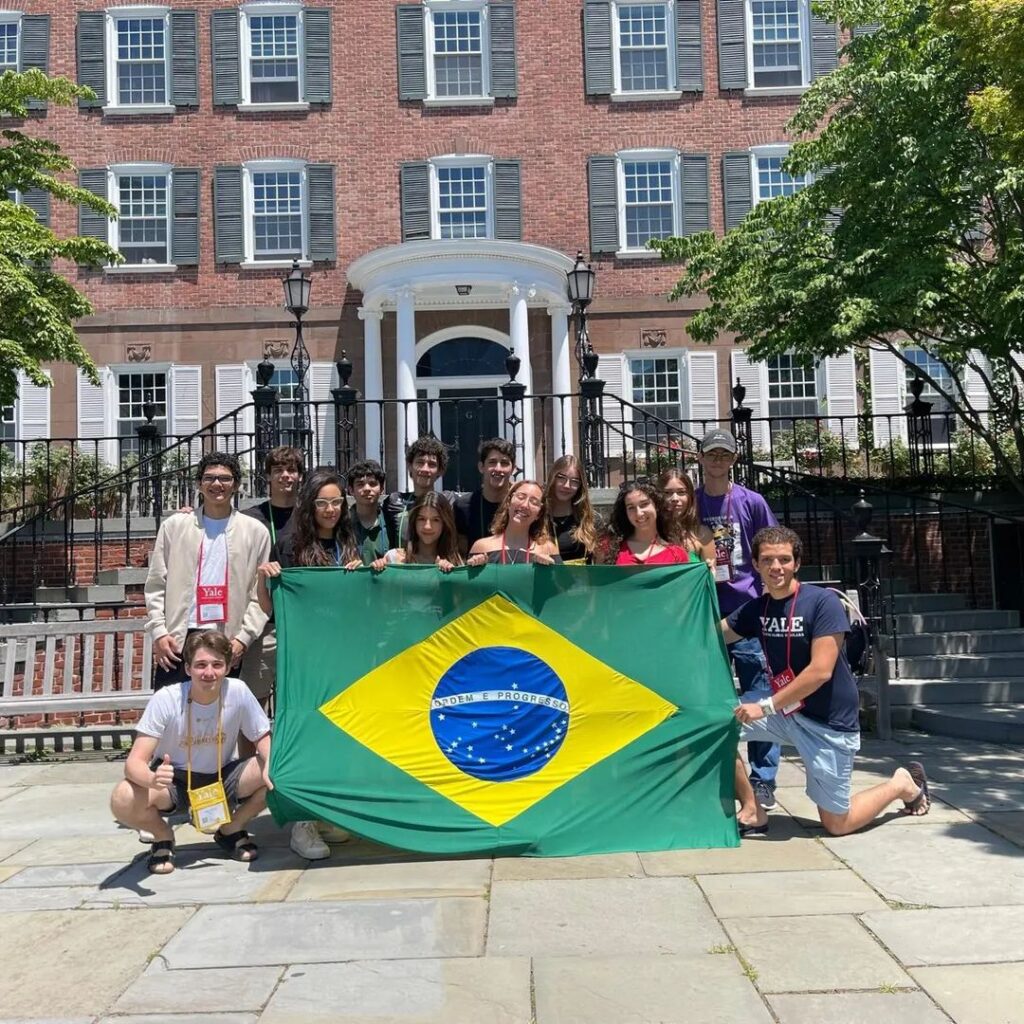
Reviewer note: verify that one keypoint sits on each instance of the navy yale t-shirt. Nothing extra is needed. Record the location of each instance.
(818, 612)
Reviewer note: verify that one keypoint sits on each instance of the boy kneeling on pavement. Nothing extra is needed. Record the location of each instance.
(815, 705)
(182, 758)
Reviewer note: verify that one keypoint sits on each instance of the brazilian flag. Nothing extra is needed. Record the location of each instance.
(535, 710)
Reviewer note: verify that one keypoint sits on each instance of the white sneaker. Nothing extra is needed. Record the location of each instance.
(146, 837)
(306, 841)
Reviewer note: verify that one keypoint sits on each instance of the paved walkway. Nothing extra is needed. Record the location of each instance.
(919, 921)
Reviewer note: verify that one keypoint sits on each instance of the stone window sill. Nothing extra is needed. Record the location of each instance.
(138, 110)
(638, 254)
(459, 101)
(273, 264)
(779, 90)
(142, 268)
(645, 97)
(257, 108)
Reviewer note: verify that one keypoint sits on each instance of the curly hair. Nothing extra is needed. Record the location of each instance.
(307, 550)
(585, 530)
(428, 445)
(620, 523)
(539, 531)
(448, 542)
(777, 535)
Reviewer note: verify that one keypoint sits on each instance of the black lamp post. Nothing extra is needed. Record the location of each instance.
(741, 417)
(919, 431)
(581, 280)
(297, 286)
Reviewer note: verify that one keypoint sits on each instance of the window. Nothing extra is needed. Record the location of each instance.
(657, 389)
(778, 52)
(274, 58)
(770, 180)
(644, 47)
(462, 202)
(139, 68)
(133, 391)
(9, 28)
(457, 48)
(649, 198)
(943, 421)
(8, 423)
(142, 226)
(277, 214)
(792, 387)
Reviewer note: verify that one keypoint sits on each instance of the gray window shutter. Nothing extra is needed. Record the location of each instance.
(228, 211)
(34, 49)
(414, 188)
(508, 200)
(185, 216)
(92, 65)
(737, 192)
(689, 46)
(696, 204)
(732, 44)
(90, 223)
(38, 200)
(184, 59)
(604, 204)
(865, 30)
(323, 241)
(502, 15)
(227, 58)
(316, 24)
(597, 45)
(824, 46)
(412, 52)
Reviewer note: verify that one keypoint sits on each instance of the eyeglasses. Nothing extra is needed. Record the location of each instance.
(217, 480)
(567, 481)
(323, 504)
(523, 499)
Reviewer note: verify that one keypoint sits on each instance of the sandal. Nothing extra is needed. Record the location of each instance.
(161, 857)
(923, 799)
(239, 844)
(752, 830)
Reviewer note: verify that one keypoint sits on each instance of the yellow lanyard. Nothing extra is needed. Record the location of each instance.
(220, 735)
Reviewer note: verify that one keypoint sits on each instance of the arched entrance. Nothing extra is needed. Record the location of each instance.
(459, 373)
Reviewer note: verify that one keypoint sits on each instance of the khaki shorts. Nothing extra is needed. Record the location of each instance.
(259, 665)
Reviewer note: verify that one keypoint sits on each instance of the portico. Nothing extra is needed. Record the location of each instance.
(461, 275)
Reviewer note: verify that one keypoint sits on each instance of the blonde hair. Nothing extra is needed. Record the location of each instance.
(539, 530)
(585, 530)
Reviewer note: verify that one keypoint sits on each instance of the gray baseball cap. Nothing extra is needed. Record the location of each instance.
(718, 439)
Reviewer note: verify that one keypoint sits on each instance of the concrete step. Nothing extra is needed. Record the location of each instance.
(982, 641)
(903, 603)
(958, 666)
(991, 723)
(997, 690)
(97, 593)
(951, 621)
(125, 576)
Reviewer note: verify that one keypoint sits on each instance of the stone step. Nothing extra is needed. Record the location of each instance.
(93, 593)
(981, 641)
(950, 621)
(125, 576)
(958, 666)
(1001, 690)
(903, 603)
(60, 612)
(991, 723)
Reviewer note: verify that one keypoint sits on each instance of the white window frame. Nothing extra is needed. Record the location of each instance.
(628, 156)
(672, 92)
(681, 357)
(114, 174)
(249, 218)
(476, 160)
(805, 54)
(113, 14)
(758, 152)
(115, 393)
(268, 8)
(769, 398)
(485, 99)
(8, 18)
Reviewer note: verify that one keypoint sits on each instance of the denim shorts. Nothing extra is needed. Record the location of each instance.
(827, 754)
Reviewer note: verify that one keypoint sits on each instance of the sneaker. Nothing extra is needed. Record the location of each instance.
(333, 835)
(765, 794)
(306, 841)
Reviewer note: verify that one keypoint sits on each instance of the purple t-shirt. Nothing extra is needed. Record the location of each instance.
(733, 518)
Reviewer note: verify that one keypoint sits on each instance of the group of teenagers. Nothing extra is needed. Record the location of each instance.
(203, 742)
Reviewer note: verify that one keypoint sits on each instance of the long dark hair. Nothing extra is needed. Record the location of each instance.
(539, 531)
(585, 530)
(686, 526)
(307, 548)
(448, 542)
(621, 525)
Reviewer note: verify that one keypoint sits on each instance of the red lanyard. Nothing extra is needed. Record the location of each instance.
(503, 561)
(789, 630)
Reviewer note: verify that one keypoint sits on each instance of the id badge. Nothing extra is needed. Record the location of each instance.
(723, 565)
(211, 603)
(209, 807)
(784, 678)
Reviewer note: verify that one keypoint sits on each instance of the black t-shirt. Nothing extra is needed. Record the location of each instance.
(473, 516)
(269, 514)
(817, 612)
(283, 551)
(395, 508)
(570, 549)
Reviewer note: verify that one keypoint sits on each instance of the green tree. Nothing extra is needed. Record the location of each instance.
(927, 250)
(39, 307)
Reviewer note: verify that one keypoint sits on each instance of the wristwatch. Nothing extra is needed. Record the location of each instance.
(767, 705)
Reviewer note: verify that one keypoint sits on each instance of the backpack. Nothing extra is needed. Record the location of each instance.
(858, 640)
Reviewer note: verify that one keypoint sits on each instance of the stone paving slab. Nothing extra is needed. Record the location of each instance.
(8, 792)
(75, 773)
(857, 1008)
(158, 990)
(495, 990)
(808, 954)
(263, 829)
(788, 894)
(963, 935)
(1008, 824)
(8, 872)
(800, 805)
(650, 915)
(66, 968)
(47, 1020)
(708, 988)
(985, 796)
(14, 901)
(956, 865)
(405, 880)
(121, 845)
(203, 876)
(8, 848)
(977, 994)
(605, 865)
(290, 933)
(36, 812)
(15, 774)
(59, 876)
(183, 1018)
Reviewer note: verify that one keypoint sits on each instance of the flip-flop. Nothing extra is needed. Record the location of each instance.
(923, 798)
(752, 830)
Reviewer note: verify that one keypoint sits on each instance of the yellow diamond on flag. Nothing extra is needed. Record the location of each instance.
(495, 710)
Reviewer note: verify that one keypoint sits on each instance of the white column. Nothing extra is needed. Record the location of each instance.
(406, 414)
(519, 335)
(561, 382)
(373, 381)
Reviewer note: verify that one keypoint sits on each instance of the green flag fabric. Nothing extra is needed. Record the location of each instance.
(514, 710)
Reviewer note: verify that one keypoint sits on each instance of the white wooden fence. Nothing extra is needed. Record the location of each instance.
(101, 665)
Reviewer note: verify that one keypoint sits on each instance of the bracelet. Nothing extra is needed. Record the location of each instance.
(767, 705)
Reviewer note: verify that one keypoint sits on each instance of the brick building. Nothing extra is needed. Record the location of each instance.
(434, 163)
